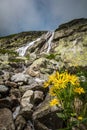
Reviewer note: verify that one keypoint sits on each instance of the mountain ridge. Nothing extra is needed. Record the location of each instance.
(65, 35)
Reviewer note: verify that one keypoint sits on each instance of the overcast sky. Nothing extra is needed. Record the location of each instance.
(26, 15)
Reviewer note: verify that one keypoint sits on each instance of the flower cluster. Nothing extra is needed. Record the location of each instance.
(58, 82)
(61, 79)
(64, 88)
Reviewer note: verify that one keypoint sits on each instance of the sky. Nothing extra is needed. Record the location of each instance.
(27, 15)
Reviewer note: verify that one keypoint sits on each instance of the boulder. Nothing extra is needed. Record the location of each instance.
(33, 73)
(33, 70)
(27, 99)
(3, 89)
(38, 97)
(27, 111)
(11, 84)
(45, 116)
(6, 76)
(20, 77)
(33, 86)
(6, 120)
(20, 123)
(5, 103)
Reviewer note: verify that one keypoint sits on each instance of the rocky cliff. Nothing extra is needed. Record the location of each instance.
(26, 60)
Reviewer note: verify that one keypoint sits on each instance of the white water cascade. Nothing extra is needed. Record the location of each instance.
(48, 37)
(50, 41)
(22, 50)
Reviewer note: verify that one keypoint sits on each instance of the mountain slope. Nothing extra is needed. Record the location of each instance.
(26, 61)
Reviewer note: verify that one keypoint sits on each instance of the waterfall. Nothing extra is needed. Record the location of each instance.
(22, 50)
(48, 37)
(50, 41)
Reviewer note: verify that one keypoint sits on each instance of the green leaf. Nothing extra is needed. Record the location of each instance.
(84, 120)
(61, 115)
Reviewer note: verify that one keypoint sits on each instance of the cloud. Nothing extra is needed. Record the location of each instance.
(60, 11)
(18, 15)
(65, 10)
(26, 15)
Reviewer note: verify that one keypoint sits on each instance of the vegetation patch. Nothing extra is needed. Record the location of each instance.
(68, 92)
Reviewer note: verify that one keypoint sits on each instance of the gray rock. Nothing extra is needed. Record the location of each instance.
(3, 89)
(6, 76)
(27, 111)
(33, 70)
(27, 98)
(5, 103)
(15, 93)
(20, 83)
(38, 97)
(33, 86)
(1, 80)
(32, 56)
(11, 84)
(40, 126)
(38, 80)
(33, 73)
(6, 121)
(28, 94)
(31, 80)
(28, 128)
(45, 117)
(1, 72)
(44, 109)
(24, 88)
(20, 123)
(30, 125)
(27, 104)
(20, 77)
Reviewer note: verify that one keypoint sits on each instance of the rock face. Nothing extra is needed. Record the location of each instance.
(71, 39)
(24, 103)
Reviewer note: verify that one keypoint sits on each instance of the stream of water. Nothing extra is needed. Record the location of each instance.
(22, 50)
(50, 42)
(49, 37)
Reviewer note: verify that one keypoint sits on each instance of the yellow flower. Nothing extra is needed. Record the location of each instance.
(53, 90)
(52, 78)
(60, 81)
(57, 75)
(73, 79)
(46, 84)
(79, 90)
(80, 117)
(54, 102)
